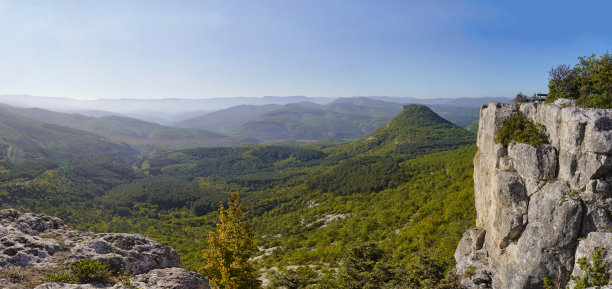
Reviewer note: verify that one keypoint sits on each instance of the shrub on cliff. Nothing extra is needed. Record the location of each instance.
(595, 274)
(589, 82)
(520, 129)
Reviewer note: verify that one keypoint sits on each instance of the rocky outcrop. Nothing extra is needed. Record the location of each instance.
(169, 278)
(38, 241)
(541, 208)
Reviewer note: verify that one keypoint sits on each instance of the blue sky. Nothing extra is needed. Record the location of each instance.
(328, 48)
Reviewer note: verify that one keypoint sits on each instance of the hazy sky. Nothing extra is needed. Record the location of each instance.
(335, 48)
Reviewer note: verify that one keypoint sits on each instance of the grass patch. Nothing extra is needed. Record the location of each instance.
(83, 271)
(28, 277)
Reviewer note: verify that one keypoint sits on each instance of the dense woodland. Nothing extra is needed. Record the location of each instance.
(406, 190)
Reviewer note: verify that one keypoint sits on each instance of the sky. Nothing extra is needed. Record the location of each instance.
(319, 48)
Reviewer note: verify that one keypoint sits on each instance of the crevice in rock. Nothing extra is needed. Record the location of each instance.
(581, 133)
(557, 159)
(573, 166)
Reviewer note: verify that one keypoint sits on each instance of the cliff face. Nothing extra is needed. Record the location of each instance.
(541, 208)
(33, 245)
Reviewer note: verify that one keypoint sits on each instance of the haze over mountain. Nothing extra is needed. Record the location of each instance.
(162, 110)
(173, 110)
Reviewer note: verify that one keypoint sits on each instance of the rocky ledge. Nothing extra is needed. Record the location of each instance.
(32, 244)
(539, 209)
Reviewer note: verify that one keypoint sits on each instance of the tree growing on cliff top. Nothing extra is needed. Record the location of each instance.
(589, 82)
(229, 251)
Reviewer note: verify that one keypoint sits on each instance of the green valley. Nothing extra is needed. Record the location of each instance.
(406, 188)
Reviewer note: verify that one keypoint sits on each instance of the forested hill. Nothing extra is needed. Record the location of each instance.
(309, 205)
(373, 162)
(416, 130)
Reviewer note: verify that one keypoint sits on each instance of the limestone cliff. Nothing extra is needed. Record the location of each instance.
(541, 208)
(33, 245)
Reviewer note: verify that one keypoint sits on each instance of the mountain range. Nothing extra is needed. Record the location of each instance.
(124, 129)
(283, 120)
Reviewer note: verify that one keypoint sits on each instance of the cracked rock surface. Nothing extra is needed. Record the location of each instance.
(541, 208)
(31, 240)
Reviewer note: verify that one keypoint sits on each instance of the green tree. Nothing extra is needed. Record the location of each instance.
(301, 277)
(589, 82)
(423, 271)
(367, 266)
(230, 249)
(520, 97)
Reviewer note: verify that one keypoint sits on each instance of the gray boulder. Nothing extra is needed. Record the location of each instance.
(40, 241)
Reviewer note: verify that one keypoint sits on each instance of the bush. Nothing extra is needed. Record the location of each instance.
(596, 100)
(520, 129)
(83, 271)
(89, 270)
(595, 274)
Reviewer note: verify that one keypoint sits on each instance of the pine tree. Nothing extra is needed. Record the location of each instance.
(229, 251)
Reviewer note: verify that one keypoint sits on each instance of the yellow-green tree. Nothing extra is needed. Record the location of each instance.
(229, 250)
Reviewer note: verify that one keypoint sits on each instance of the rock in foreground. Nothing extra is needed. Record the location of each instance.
(39, 243)
(540, 208)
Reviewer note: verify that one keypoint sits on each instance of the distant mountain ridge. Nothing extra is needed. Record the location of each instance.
(124, 129)
(296, 119)
(344, 118)
(303, 121)
(162, 110)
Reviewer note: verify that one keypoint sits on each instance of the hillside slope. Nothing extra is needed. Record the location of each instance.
(226, 121)
(23, 138)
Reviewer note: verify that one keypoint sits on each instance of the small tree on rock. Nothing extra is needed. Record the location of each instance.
(227, 257)
(520, 97)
